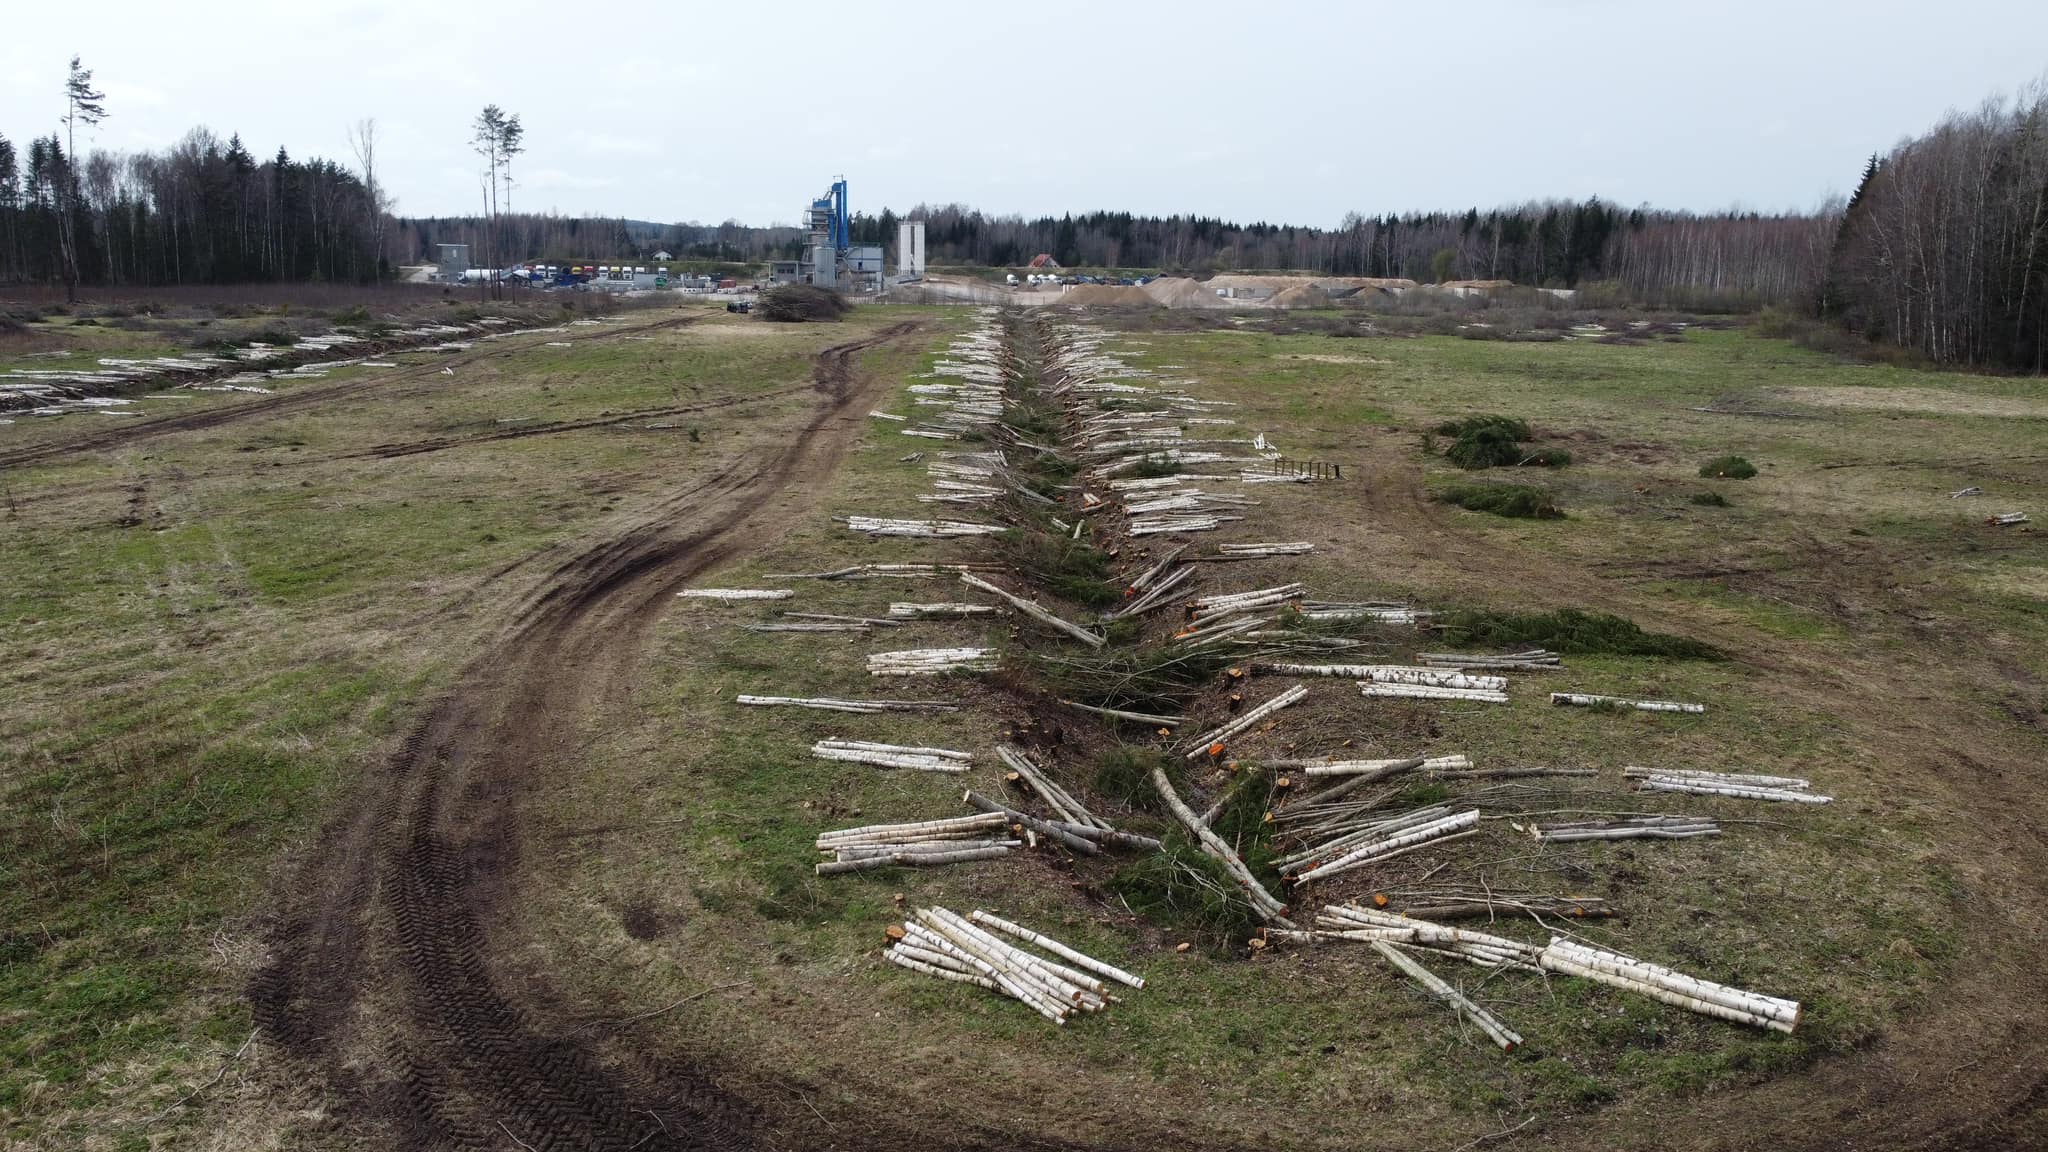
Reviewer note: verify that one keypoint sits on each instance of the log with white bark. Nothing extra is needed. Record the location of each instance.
(1240, 601)
(893, 755)
(1739, 791)
(1425, 692)
(1352, 832)
(900, 571)
(931, 661)
(1056, 948)
(1454, 825)
(1154, 595)
(1204, 743)
(736, 593)
(1031, 609)
(1499, 1033)
(1533, 660)
(1289, 548)
(1628, 828)
(1589, 700)
(1051, 830)
(807, 626)
(929, 529)
(902, 610)
(977, 825)
(909, 859)
(830, 618)
(1387, 674)
(1447, 762)
(1269, 909)
(898, 957)
(1671, 987)
(1746, 779)
(1145, 718)
(832, 704)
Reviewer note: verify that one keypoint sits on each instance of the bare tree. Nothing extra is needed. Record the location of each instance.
(81, 102)
(362, 140)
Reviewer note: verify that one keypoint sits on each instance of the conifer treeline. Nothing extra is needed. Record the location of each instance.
(200, 212)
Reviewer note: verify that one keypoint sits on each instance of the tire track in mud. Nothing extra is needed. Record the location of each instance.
(214, 417)
(387, 940)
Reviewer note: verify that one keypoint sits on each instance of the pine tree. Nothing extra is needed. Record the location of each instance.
(81, 102)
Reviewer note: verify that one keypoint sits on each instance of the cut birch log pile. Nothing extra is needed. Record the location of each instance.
(1157, 525)
(1973, 490)
(1212, 743)
(921, 844)
(1792, 789)
(1452, 761)
(1385, 674)
(736, 593)
(1087, 839)
(832, 704)
(1030, 608)
(1671, 987)
(1534, 660)
(1381, 841)
(1226, 603)
(893, 755)
(925, 529)
(900, 610)
(2007, 519)
(1063, 804)
(940, 943)
(931, 661)
(1378, 612)
(1588, 700)
(1146, 596)
(1627, 828)
(1358, 924)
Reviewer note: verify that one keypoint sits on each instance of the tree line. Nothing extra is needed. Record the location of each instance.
(1944, 246)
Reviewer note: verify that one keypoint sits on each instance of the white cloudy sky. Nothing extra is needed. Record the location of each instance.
(1248, 109)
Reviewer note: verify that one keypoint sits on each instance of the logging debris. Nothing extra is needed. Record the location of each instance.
(1792, 789)
(1588, 700)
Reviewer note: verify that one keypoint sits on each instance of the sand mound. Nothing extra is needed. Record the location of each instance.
(1301, 296)
(1180, 292)
(1106, 296)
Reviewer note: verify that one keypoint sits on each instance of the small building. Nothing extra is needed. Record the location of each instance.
(454, 262)
(785, 272)
(663, 256)
(1044, 260)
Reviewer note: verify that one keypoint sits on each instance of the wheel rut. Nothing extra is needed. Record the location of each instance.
(386, 973)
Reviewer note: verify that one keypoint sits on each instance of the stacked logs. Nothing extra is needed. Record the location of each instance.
(893, 755)
(922, 844)
(931, 661)
(963, 949)
(1533, 660)
(1792, 789)
(1377, 840)
(925, 529)
(736, 593)
(833, 704)
(1627, 828)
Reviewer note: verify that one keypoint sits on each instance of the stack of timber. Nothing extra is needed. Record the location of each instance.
(1533, 660)
(1259, 551)
(1086, 839)
(1064, 805)
(895, 571)
(924, 529)
(1386, 674)
(1056, 982)
(1378, 612)
(1627, 828)
(1454, 902)
(1374, 841)
(1408, 691)
(736, 593)
(1361, 925)
(1157, 525)
(1227, 603)
(832, 704)
(893, 755)
(1675, 988)
(1791, 789)
(1588, 700)
(813, 626)
(931, 661)
(2007, 519)
(923, 844)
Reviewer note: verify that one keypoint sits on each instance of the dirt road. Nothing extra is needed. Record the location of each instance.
(388, 975)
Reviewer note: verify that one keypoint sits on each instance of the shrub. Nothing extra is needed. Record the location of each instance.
(1569, 631)
(1516, 501)
(1515, 429)
(1187, 889)
(1710, 499)
(1065, 567)
(1728, 468)
(1488, 446)
(356, 317)
(797, 303)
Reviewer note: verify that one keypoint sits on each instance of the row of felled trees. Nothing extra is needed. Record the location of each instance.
(1944, 246)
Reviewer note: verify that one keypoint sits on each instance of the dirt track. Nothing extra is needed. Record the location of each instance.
(384, 958)
(129, 432)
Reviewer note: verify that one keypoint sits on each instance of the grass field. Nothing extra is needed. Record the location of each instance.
(208, 636)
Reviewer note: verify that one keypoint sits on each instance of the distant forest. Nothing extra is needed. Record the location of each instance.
(1942, 249)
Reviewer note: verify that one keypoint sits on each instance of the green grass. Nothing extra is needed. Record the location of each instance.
(1568, 630)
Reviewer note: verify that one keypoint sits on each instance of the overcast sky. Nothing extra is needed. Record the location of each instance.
(1249, 109)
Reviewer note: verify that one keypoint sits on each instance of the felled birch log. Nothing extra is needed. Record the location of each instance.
(1010, 981)
(895, 956)
(1263, 902)
(1499, 1033)
(1252, 716)
(1374, 851)
(1290, 548)
(1056, 948)
(808, 627)
(1447, 762)
(1534, 660)
(1576, 907)
(1145, 718)
(1671, 987)
(1032, 610)
(1425, 692)
(1240, 601)
(974, 825)
(1752, 780)
(893, 756)
(933, 529)
(830, 704)
(1588, 700)
(736, 593)
(931, 661)
(920, 848)
(1154, 597)
(901, 610)
(1386, 674)
(871, 621)
(1351, 835)
(910, 860)
(1739, 791)
(1631, 828)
